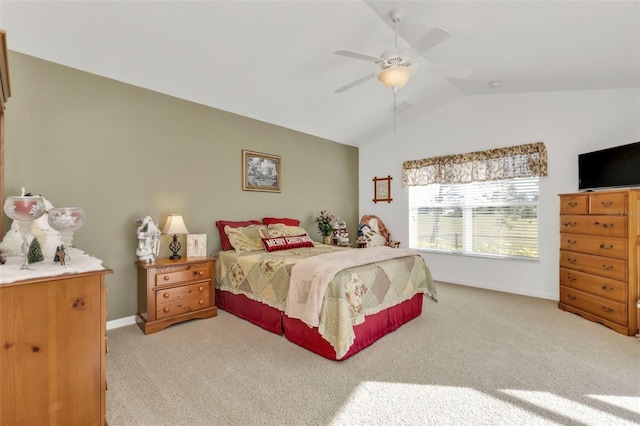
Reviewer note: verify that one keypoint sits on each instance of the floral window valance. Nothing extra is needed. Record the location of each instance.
(527, 160)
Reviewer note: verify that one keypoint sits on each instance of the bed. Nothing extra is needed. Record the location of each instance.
(334, 301)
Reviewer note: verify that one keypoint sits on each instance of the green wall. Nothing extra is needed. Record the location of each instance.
(122, 152)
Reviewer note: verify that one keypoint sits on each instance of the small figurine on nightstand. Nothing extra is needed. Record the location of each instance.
(148, 240)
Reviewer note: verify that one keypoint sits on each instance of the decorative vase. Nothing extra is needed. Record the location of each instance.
(326, 239)
(25, 209)
(66, 220)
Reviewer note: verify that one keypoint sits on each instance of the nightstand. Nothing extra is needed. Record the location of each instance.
(172, 291)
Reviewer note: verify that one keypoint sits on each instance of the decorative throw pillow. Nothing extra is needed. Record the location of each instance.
(245, 238)
(224, 240)
(287, 230)
(287, 242)
(284, 221)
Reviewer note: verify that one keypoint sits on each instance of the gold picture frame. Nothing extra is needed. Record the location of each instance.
(382, 189)
(261, 172)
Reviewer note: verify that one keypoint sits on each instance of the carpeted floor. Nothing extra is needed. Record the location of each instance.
(477, 357)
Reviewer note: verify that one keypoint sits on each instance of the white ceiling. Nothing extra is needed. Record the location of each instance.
(273, 60)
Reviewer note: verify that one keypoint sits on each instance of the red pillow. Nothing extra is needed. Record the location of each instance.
(284, 243)
(284, 221)
(224, 239)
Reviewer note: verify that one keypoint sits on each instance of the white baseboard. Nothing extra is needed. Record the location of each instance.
(121, 322)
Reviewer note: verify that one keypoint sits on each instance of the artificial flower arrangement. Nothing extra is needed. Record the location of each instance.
(325, 223)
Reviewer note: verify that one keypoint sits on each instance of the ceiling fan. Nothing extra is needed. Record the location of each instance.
(397, 64)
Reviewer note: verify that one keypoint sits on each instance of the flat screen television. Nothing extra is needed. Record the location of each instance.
(610, 168)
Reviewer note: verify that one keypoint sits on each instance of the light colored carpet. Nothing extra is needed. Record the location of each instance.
(477, 357)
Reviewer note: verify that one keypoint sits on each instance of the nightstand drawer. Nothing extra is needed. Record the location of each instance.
(181, 300)
(599, 286)
(604, 308)
(183, 274)
(186, 292)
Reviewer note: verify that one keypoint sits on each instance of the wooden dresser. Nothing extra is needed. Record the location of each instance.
(52, 358)
(599, 256)
(172, 291)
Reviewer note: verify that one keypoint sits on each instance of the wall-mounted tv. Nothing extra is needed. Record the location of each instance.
(609, 168)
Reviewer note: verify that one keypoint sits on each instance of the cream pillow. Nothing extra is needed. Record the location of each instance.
(280, 230)
(245, 238)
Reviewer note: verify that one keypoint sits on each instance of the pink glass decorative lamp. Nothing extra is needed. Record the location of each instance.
(24, 209)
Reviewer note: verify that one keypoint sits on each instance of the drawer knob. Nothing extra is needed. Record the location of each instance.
(607, 309)
(166, 295)
(570, 260)
(201, 302)
(571, 278)
(573, 204)
(604, 246)
(605, 203)
(200, 289)
(571, 297)
(570, 224)
(571, 242)
(607, 267)
(165, 310)
(606, 288)
(166, 278)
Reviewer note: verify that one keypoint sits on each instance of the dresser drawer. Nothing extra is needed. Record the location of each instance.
(182, 300)
(599, 286)
(605, 267)
(598, 245)
(608, 204)
(611, 226)
(182, 273)
(574, 204)
(604, 308)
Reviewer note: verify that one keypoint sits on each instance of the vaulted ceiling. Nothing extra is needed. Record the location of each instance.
(274, 60)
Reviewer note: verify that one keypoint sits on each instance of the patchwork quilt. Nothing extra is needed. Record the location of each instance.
(352, 293)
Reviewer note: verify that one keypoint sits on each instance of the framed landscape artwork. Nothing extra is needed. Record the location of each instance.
(260, 172)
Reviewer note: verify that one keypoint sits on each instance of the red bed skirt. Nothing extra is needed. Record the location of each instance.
(258, 313)
(271, 319)
(374, 327)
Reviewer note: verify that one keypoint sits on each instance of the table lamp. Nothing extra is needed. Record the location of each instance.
(175, 226)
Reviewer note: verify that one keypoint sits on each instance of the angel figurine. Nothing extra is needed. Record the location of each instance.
(148, 240)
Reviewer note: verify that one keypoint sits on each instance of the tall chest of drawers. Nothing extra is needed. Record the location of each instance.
(599, 257)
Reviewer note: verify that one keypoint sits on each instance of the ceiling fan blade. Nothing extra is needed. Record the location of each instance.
(428, 41)
(358, 55)
(354, 83)
(451, 70)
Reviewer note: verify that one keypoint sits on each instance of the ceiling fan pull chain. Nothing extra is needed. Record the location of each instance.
(394, 110)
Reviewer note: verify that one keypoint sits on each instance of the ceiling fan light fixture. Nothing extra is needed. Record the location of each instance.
(395, 77)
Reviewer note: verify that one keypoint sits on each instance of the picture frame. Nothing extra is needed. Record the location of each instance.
(196, 245)
(382, 189)
(261, 172)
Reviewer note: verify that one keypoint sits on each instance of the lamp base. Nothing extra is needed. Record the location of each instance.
(175, 246)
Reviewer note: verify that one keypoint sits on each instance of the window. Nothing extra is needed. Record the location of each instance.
(496, 218)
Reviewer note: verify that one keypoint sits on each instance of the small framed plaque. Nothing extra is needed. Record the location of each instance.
(382, 189)
(196, 245)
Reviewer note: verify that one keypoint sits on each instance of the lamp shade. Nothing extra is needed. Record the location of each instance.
(395, 77)
(175, 225)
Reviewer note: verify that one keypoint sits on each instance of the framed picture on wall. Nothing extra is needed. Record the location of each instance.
(382, 189)
(261, 172)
